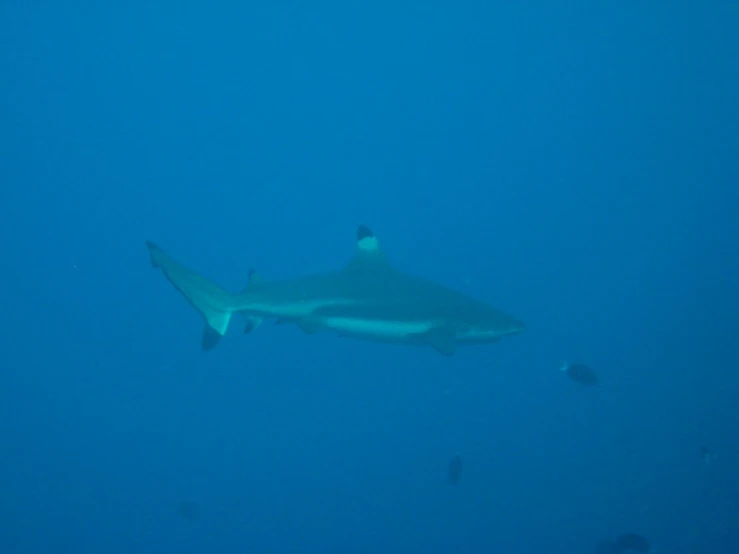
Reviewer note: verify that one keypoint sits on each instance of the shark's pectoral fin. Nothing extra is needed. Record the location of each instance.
(440, 339)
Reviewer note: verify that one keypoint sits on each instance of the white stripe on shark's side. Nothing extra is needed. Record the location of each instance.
(376, 327)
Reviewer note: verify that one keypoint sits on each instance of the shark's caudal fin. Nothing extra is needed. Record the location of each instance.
(212, 301)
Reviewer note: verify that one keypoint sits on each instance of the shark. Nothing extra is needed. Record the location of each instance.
(368, 299)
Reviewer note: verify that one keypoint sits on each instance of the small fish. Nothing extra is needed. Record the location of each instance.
(455, 469)
(580, 373)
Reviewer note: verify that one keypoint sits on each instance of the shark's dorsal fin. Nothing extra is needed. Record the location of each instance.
(369, 255)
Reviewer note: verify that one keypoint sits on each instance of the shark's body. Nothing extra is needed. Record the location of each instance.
(368, 299)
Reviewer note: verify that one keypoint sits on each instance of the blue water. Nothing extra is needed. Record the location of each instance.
(575, 166)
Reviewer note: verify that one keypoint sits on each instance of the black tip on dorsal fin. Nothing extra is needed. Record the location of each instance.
(364, 232)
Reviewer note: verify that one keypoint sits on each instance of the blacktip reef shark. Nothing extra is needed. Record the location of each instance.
(368, 299)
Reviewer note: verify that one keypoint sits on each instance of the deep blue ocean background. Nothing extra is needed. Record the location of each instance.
(575, 165)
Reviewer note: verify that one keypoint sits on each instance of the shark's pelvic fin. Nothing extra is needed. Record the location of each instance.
(209, 299)
(369, 256)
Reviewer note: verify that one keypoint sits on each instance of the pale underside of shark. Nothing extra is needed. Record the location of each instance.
(368, 299)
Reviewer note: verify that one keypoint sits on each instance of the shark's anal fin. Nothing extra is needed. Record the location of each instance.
(441, 339)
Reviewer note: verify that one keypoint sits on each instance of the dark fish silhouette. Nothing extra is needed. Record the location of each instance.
(455, 469)
(581, 374)
(632, 541)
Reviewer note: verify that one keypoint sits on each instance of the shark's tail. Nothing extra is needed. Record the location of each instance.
(212, 301)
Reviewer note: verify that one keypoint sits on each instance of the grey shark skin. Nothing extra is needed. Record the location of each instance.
(369, 299)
